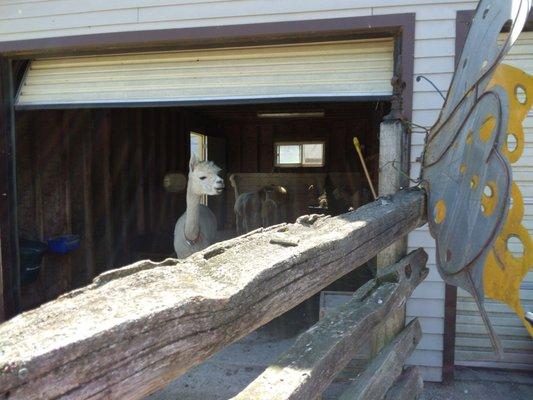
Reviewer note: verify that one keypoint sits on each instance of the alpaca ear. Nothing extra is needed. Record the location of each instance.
(192, 162)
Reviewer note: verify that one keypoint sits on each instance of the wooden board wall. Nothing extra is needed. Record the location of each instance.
(250, 140)
(99, 174)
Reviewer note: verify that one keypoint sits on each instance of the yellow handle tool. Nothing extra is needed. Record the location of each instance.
(357, 146)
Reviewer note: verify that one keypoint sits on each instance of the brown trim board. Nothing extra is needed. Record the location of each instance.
(462, 24)
(9, 247)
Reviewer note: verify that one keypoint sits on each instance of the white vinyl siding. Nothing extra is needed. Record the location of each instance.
(23, 19)
(339, 69)
(434, 58)
(472, 347)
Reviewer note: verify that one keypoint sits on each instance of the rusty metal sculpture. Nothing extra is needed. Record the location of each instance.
(474, 207)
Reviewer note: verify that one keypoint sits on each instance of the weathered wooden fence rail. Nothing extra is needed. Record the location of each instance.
(135, 329)
(311, 364)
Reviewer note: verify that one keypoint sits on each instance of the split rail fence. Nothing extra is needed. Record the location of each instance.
(135, 329)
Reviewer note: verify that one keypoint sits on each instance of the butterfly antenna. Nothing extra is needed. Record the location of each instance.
(420, 77)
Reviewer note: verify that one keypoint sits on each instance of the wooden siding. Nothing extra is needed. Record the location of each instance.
(250, 143)
(98, 174)
(434, 57)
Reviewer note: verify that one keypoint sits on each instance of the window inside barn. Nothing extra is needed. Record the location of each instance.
(299, 154)
(199, 146)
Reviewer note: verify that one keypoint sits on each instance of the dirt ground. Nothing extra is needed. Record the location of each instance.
(232, 369)
(477, 390)
(481, 384)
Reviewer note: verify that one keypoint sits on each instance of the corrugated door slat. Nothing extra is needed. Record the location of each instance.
(345, 68)
(472, 346)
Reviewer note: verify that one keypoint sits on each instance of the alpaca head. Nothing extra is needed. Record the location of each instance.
(203, 177)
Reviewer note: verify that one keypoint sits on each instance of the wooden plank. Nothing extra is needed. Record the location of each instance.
(139, 169)
(377, 377)
(249, 148)
(392, 134)
(160, 126)
(9, 244)
(88, 240)
(266, 143)
(124, 173)
(174, 155)
(311, 364)
(151, 180)
(76, 128)
(66, 169)
(105, 149)
(145, 324)
(407, 387)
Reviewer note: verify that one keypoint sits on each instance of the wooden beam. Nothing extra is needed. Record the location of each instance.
(408, 386)
(379, 375)
(137, 328)
(9, 243)
(393, 140)
(311, 364)
(104, 117)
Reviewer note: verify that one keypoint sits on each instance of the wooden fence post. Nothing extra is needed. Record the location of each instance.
(391, 177)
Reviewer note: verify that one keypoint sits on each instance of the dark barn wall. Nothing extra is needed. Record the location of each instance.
(250, 140)
(99, 174)
(251, 144)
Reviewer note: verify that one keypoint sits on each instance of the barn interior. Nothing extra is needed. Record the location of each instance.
(97, 177)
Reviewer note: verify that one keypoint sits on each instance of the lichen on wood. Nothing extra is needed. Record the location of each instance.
(135, 329)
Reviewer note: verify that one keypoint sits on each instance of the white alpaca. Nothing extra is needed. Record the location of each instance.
(196, 228)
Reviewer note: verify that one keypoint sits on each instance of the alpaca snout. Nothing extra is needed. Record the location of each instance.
(219, 185)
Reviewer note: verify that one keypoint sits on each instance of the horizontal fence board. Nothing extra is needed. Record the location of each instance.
(319, 354)
(136, 328)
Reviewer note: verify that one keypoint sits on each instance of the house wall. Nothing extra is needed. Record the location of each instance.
(434, 57)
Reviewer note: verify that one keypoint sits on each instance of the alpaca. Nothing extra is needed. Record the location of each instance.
(269, 209)
(196, 228)
(274, 204)
(315, 198)
(247, 209)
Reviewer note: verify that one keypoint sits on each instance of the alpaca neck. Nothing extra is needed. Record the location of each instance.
(234, 184)
(192, 216)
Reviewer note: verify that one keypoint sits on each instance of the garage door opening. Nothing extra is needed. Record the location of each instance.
(99, 175)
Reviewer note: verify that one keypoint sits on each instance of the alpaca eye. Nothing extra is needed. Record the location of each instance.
(203, 177)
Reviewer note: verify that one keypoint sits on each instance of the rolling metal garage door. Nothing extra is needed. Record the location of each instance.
(325, 69)
(472, 345)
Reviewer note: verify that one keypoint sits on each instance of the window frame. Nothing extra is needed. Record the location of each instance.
(203, 144)
(301, 144)
(204, 154)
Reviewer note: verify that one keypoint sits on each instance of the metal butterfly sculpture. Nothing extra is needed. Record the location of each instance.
(474, 208)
